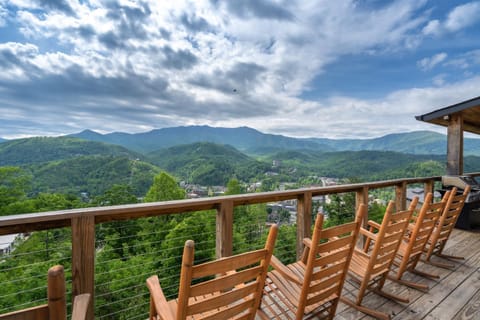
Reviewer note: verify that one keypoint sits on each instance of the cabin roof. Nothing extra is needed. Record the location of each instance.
(469, 109)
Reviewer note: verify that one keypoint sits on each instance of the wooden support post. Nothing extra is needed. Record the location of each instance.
(224, 230)
(401, 196)
(304, 220)
(361, 197)
(455, 145)
(83, 259)
(57, 307)
(428, 187)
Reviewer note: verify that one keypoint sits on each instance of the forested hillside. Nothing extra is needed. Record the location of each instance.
(417, 142)
(92, 175)
(364, 165)
(208, 163)
(74, 166)
(43, 149)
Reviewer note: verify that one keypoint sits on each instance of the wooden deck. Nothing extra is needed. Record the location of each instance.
(456, 295)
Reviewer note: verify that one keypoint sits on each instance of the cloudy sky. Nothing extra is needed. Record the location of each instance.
(303, 68)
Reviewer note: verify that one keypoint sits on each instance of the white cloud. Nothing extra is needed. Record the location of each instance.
(439, 80)
(432, 28)
(130, 66)
(430, 63)
(460, 17)
(347, 117)
(463, 16)
(3, 15)
(126, 37)
(466, 60)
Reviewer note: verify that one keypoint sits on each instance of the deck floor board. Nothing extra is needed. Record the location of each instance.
(456, 295)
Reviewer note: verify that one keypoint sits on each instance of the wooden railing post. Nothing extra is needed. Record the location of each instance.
(83, 259)
(401, 196)
(304, 220)
(428, 187)
(361, 197)
(224, 230)
(57, 307)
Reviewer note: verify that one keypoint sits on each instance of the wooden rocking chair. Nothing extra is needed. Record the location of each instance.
(444, 227)
(313, 286)
(56, 307)
(229, 288)
(369, 267)
(414, 241)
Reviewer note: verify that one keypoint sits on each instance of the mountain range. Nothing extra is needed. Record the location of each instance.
(253, 142)
(72, 165)
(243, 138)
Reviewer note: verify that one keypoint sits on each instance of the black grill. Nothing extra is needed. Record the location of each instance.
(470, 216)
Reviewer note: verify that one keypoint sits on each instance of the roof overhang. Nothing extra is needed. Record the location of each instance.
(470, 111)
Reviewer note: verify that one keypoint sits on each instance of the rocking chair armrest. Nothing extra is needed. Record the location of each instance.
(374, 224)
(307, 242)
(369, 234)
(284, 271)
(158, 299)
(80, 306)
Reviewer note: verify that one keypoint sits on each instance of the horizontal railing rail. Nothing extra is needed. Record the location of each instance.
(82, 221)
(56, 219)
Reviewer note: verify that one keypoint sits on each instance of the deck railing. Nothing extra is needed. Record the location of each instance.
(82, 222)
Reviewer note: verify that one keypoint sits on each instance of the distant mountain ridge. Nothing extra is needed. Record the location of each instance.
(417, 142)
(243, 138)
(44, 149)
(251, 141)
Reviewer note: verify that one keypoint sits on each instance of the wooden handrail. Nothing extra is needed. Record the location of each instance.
(83, 221)
(55, 219)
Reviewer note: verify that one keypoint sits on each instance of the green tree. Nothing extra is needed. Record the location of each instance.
(234, 187)
(164, 188)
(13, 185)
(341, 209)
(286, 244)
(376, 212)
(199, 227)
(117, 194)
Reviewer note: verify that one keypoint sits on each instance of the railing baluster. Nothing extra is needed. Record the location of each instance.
(304, 220)
(224, 228)
(83, 259)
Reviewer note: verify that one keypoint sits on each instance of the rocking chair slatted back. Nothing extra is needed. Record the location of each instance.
(313, 286)
(227, 288)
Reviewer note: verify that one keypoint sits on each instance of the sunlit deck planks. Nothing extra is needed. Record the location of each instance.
(456, 295)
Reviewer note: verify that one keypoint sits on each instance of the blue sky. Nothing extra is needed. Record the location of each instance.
(303, 68)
